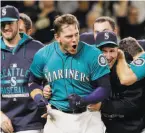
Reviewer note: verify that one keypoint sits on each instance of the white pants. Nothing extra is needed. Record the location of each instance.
(86, 122)
(29, 131)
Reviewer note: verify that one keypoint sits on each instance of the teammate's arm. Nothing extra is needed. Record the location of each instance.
(36, 90)
(125, 74)
(5, 123)
(100, 81)
(101, 92)
(36, 80)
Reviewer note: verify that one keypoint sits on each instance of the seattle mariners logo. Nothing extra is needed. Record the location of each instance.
(139, 62)
(102, 60)
(4, 11)
(106, 36)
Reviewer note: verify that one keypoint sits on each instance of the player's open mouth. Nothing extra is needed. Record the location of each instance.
(74, 46)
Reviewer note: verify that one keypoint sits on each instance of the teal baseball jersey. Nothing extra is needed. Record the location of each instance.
(68, 74)
(138, 67)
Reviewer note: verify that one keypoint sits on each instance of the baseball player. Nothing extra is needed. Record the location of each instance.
(121, 112)
(103, 23)
(25, 24)
(136, 69)
(19, 113)
(116, 104)
(76, 73)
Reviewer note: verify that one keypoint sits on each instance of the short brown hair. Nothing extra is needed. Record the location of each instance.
(106, 19)
(64, 19)
(27, 21)
(131, 46)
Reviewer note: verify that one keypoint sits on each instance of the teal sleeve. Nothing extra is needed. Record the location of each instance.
(99, 66)
(138, 67)
(38, 64)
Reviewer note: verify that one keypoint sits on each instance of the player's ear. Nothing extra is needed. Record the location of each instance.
(29, 32)
(116, 30)
(57, 37)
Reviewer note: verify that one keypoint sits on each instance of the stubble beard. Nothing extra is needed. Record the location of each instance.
(12, 37)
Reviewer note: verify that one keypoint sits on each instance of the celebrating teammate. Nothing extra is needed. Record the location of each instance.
(116, 109)
(103, 23)
(121, 112)
(76, 73)
(136, 71)
(25, 24)
(19, 113)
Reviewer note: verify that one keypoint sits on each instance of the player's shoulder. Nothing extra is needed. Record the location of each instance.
(50, 47)
(34, 44)
(37, 43)
(47, 49)
(140, 61)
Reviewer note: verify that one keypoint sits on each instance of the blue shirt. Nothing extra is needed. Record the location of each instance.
(68, 73)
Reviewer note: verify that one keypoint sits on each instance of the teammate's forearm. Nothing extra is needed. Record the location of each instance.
(101, 92)
(124, 72)
(36, 94)
(98, 95)
(35, 87)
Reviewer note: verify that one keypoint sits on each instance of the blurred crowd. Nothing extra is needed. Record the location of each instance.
(129, 15)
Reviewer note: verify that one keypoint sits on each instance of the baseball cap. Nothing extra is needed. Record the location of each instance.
(87, 37)
(105, 38)
(9, 13)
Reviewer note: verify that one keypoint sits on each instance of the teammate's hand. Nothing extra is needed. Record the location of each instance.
(94, 107)
(44, 113)
(42, 110)
(75, 101)
(120, 54)
(47, 112)
(6, 124)
(42, 106)
(47, 91)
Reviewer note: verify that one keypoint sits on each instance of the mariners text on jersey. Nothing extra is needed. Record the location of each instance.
(66, 73)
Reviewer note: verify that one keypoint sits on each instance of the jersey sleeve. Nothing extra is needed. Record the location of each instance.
(138, 67)
(38, 64)
(99, 65)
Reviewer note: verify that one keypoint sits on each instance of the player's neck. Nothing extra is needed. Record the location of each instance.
(13, 42)
(136, 56)
(63, 49)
